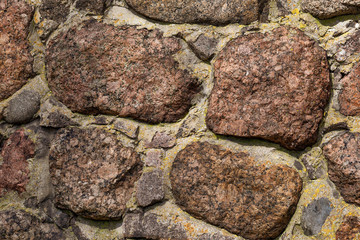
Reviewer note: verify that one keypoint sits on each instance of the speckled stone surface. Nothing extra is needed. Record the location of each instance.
(55, 10)
(93, 174)
(349, 229)
(349, 97)
(327, 9)
(15, 58)
(99, 68)
(194, 11)
(343, 155)
(93, 6)
(350, 48)
(273, 86)
(14, 171)
(229, 190)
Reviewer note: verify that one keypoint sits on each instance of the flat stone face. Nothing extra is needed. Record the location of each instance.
(93, 174)
(150, 188)
(349, 97)
(343, 155)
(272, 86)
(14, 171)
(195, 11)
(99, 68)
(327, 9)
(229, 190)
(349, 229)
(15, 58)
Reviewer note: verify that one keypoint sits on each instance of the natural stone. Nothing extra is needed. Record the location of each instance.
(314, 163)
(204, 47)
(92, 172)
(259, 91)
(349, 229)
(232, 191)
(22, 107)
(15, 58)
(327, 9)
(94, 6)
(349, 51)
(193, 11)
(98, 68)
(127, 127)
(343, 155)
(150, 188)
(349, 97)
(315, 215)
(162, 140)
(154, 157)
(18, 224)
(14, 171)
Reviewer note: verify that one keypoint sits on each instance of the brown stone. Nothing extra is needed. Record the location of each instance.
(93, 174)
(349, 97)
(327, 9)
(94, 6)
(204, 47)
(343, 155)
(194, 11)
(14, 171)
(55, 10)
(232, 191)
(15, 58)
(98, 68)
(272, 86)
(150, 188)
(349, 50)
(162, 140)
(349, 229)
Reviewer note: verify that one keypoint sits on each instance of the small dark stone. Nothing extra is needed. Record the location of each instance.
(204, 47)
(150, 188)
(298, 165)
(93, 6)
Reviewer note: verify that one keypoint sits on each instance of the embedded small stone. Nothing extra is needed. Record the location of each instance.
(349, 51)
(193, 11)
(349, 97)
(93, 174)
(154, 157)
(150, 188)
(127, 127)
(94, 6)
(15, 58)
(343, 155)
(14, 171)
(349, 229)
(98, 68)
(22, 107)
(204, 47)
(232, 191)
(315, 215)
(162, 140)
(327, 9)
(273, 86)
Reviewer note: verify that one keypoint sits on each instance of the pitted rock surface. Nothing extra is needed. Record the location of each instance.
(349, 51)
(93, 174)
(94, 6)
(349, 229)
(272, 86)
(14, 171)
(343, 155)
(327, 9)
(99, 68)
(15, 58)
(229, 190)
(194, 11)
(55, 10)
(349, 97)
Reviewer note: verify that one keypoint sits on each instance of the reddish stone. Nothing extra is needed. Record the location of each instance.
(343, 155)
(349, 97)
(273, 86)
(349, 229)
(98, 68)
(327, 9)
(232, 191)
(93, 174)
(15, 58)
(161, 140)
(14, 171)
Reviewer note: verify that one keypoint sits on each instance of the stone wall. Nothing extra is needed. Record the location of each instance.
(151, 119)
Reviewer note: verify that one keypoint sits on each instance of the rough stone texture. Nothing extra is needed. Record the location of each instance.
(14, 172)
(18, 224)
(349, 97)
(315, 163)
(229, 190)
(349, 229)
(99, 68)
(93, 174)
(94, 6)
(55, 10)
(194, 11)
(272, 86)
(204, 47)
(150, 188)
(315, 215)
(327, 9)
(162, 140)
(126, 127)
(350, 49)
(154, 157)
(343, 155)
(22, 108)
(15, 58)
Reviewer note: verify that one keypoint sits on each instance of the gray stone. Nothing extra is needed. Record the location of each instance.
(22, 107)
(315, 215)
(150, 188)
(327, 9)
(162, 140)
(204, 47)
(127, 127)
